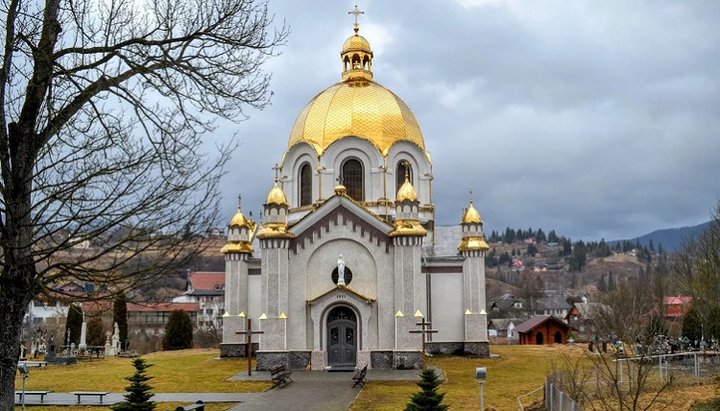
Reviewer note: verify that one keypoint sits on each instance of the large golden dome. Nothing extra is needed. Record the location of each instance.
(364, 109)
(356, 106)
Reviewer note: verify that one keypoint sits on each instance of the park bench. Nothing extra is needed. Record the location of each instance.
(198, 406)
(99, 394)
(360, 377)
(280, 376)
(39, 364)
(40, 394)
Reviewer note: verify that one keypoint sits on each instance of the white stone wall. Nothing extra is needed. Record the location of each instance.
(447, 306)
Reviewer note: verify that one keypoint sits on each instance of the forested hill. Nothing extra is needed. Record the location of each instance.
(671, 238)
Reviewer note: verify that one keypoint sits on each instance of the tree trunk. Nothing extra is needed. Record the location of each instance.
(13, 304)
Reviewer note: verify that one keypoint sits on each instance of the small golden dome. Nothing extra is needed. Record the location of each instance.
(471, 215)
(476, 243)
(276, 196)
(340, 190)
(406, 191)
(356, 42)
(238, 220)
(362, 109)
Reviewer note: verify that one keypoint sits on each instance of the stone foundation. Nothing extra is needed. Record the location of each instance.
(407, 360)
(267, 360)
(299, 360)
(381, 360)
(230, 350)
(477, 349)
(470, 349)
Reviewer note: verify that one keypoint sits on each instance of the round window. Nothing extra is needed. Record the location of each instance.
(348, 275)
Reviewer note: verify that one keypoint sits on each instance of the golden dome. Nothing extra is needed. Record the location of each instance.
(406, 191)
(407, 228)
(276, 196)
(360, 108)
(238, 220)
(356, 42)
(473, 244)
(471, 215)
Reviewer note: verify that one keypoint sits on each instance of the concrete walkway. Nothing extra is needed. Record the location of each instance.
(315, 390)
(66, 398)
(310, 390)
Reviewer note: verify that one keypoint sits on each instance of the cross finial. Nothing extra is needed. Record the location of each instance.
(406, 164)
(277, 169)
(356, 13)
(471, 197)
(239, 201)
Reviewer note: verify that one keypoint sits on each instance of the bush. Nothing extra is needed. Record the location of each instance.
(178, 331)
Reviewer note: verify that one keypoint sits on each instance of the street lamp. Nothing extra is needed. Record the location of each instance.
(480, 375)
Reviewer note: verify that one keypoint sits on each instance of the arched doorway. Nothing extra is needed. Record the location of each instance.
(341, 336)
(558, 337)
(539, 339)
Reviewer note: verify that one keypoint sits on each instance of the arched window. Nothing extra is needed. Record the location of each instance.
(352, 179)
(400, 174)
(305, 185)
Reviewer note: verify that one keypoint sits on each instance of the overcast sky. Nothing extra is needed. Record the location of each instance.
(597, 119)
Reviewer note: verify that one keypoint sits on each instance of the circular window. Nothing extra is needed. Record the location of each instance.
(348, 275)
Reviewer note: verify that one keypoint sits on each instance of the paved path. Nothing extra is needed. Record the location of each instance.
(310, 390)
(315, 390)
(66, 398)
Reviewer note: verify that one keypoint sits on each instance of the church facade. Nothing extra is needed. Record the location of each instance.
(347, 259)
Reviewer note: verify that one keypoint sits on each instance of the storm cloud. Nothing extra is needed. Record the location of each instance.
(597, 119)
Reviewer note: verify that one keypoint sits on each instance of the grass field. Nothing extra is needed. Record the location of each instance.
(519, 370)
(172, 371)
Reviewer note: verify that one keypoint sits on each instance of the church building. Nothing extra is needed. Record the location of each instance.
(347, 259)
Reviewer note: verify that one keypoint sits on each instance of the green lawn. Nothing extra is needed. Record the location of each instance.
(172, 371)
(519, 370)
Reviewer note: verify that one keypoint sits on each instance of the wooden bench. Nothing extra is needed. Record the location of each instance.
(360, 377)
(39, 364)
(280, 376)
(81, 394)
(198, 406)
(40, 394)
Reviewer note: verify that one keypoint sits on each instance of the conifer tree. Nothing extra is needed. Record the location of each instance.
(138, 392)
(73, 323)
(428, 399)
(178, 331)
(120, 317)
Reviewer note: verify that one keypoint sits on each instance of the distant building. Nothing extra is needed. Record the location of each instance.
(207, 289)
(542, 330)
(503, 330)
(153, 317)
(556, 305)
(677, 306)
(508, 306)
(582, 316)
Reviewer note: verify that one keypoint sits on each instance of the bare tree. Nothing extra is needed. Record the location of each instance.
(619, 373)
(103, 106)
(697, 268)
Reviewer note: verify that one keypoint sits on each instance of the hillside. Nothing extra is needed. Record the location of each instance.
(671, 239)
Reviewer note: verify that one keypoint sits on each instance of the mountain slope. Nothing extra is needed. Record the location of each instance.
(672, 239)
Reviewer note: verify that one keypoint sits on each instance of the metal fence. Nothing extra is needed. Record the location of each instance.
(555, 398)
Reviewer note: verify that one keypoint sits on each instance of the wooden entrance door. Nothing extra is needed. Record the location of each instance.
(341, 336)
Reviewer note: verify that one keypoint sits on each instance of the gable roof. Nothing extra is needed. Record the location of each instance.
(589, 311)
(553, 302)
(341, 287)
(536, 321)
(340, 201)
(207, 280)
(503, 323)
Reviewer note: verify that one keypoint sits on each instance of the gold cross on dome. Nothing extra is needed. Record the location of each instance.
(277, 169)
(356, 12)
